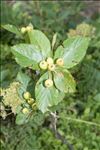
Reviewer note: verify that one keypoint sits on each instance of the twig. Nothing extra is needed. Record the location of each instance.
(9, 114)
(79, 120)
(57, 134)
(82, 121)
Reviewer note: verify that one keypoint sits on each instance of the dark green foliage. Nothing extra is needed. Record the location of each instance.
(52, 17)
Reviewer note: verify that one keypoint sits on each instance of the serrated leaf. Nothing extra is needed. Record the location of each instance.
(46, 97)
(27, 55)
(64, 81)
(74, 49)
(12, 29)
(42, 43)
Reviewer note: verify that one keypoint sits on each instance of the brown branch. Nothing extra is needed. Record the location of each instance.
(53, 127)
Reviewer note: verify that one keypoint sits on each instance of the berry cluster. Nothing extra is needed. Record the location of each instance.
(29, 100)
(26, 29)
(49, 64)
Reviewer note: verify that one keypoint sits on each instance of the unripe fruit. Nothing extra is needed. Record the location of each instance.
(23, 30)
(49, 83)
(26, 95)
(60, 62)
(30, 101)
(51, 67)
(25, 111)
(29, 28)
(49, 60)
(43, 65)
(33, 105)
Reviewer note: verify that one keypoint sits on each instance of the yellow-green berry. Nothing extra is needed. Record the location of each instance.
(48, 83)
(51, 67)
(25, 110)
(43, 65)
(27, 95)
(33, 105)
(49, 60)
(29, 28)
(23, 30)
(60, 62)
(30, 101)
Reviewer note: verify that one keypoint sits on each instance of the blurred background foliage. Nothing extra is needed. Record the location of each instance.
(52, 17)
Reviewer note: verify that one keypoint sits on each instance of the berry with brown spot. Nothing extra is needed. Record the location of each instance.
(48, 83)
(60, 62)
(51, 67)
(43, 65)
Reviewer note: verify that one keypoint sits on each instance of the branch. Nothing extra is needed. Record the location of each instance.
(82, 121)
(54, 118)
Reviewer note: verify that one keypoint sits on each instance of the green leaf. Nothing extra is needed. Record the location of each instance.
(4, 74)
(59, 52)
(54, 40)
(27, 55)
(41, 42)
(97, 97)
(21, 118)
(46, 97)
(23, 79)
(64, 81)
(12, 29)
(73, 51)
